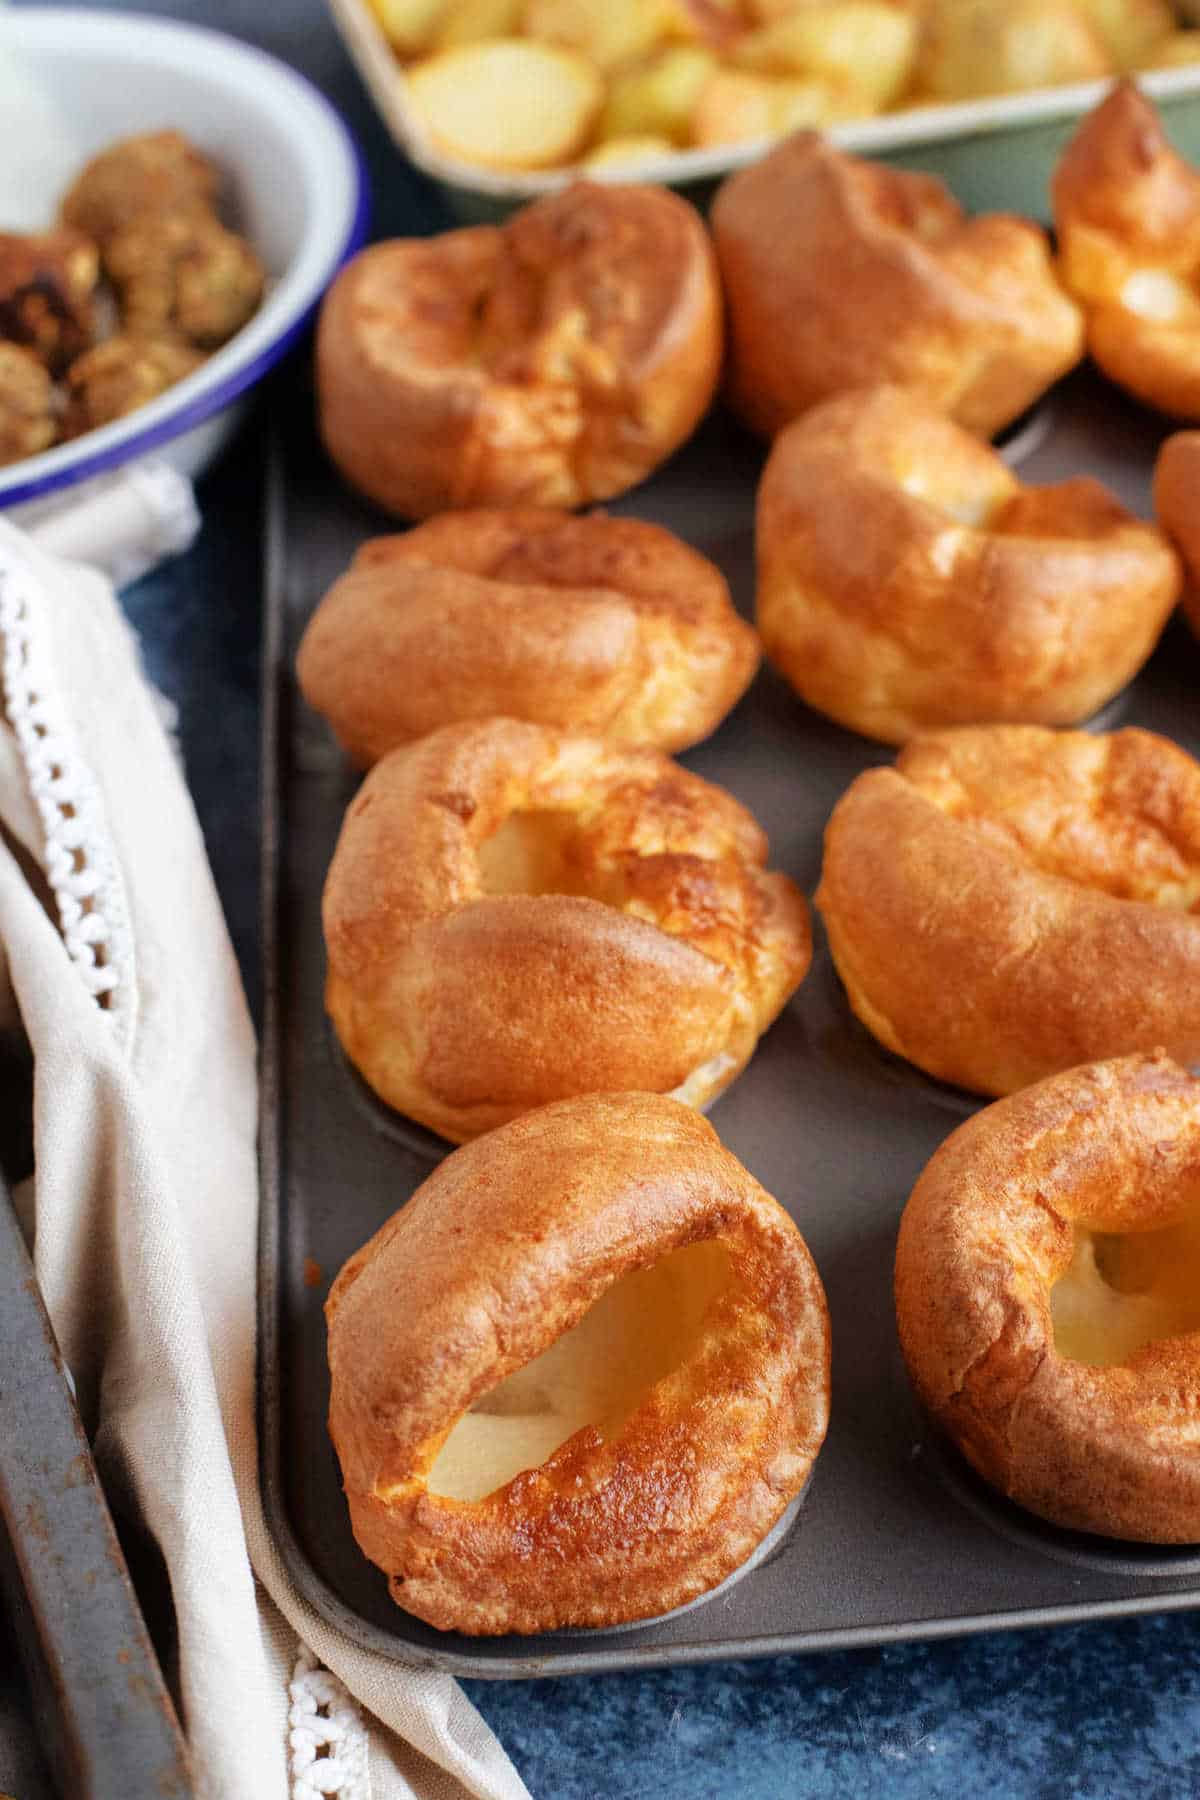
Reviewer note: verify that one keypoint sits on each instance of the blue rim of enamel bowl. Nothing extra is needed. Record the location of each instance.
(215, 399)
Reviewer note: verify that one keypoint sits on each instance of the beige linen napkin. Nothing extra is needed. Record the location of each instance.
(143, 1211)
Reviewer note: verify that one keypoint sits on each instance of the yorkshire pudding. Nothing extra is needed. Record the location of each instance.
(551, 361)
(843, 274)
(906, 579)
(1177, 505)
(514, 916)
(606, 626)
(1048, 1297)
(1127, 210)
(1009, 901)
(609, 1376)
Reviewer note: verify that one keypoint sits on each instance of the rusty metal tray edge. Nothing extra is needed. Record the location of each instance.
(102, 1715)
(551, 1657)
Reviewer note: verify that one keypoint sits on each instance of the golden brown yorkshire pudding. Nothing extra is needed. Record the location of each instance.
(1009, 901)
(551, 361)
(606, 626)
(1177, 505)
(609, 1376)
(843, 274)
(514, 916)
(906, 579)
(1127, 210)
(1048, 1297)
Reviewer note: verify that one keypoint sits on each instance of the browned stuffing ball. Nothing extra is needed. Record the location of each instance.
(136, 179)
(47, 282)
(184, 274)
(120, 375)
(28, 421)
(138, 282)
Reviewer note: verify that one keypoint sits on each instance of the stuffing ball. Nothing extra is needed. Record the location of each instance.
(27, 408)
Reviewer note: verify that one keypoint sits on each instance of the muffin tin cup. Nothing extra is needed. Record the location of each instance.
(896, 1538)
(1074, 1549)
(763, 1551)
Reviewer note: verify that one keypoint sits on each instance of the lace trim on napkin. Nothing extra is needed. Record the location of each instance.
(79, 861)
(325, 1736)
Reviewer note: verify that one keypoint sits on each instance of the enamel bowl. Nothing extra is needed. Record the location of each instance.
(72, 81)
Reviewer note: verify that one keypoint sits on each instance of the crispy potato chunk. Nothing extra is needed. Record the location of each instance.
(657, 97)
(471, 21)
(765, 12)
(865, 44)
(1128, 29)
(510, 104)
(607, 32)
(737, 107)
(978, 47)
(619, 152)
(1178, 51)
(717, 23)
(408, 25)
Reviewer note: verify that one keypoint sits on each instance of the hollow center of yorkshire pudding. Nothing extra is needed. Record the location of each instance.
(1122, 1292)
(538, 853)
(642, 1328)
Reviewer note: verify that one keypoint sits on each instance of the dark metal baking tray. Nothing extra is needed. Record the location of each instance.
(896, 1538)
(103, 1716)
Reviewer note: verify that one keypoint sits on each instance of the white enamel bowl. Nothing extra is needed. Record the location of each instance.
(72, 81)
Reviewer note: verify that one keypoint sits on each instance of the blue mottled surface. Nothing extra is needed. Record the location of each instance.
(1085, 1713)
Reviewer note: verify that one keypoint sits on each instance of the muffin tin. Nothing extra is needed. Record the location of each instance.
(895, 1538)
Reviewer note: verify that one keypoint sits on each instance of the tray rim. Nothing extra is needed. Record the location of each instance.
(619, 1651)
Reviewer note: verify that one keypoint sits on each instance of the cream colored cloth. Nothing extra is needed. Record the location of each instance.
(143, 1209)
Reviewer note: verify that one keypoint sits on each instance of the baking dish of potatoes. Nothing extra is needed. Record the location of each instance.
(500, 100)
(608, 1385)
